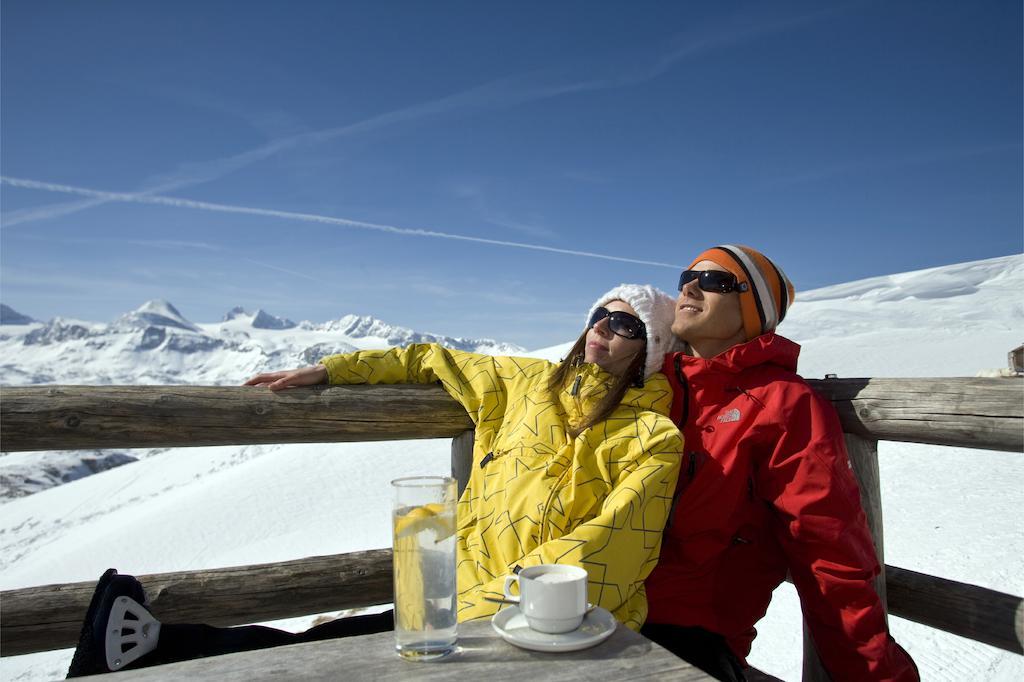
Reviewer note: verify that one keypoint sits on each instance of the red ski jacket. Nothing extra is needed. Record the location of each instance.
(769, 489)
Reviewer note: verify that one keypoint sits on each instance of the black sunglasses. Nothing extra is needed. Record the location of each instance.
(622, 324)
(715, 281)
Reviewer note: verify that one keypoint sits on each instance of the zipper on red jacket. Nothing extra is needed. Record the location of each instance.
(693, 462)
(696, 461)
(685, 386)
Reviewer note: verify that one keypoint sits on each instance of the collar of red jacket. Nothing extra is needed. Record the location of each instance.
(766, 349)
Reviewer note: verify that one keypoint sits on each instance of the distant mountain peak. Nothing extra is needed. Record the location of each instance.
(261, 319)
(264, 320)
(158, 313)
(159, 306)
(236, 312)
(9, 315)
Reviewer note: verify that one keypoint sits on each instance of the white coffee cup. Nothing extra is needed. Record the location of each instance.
(553, 597)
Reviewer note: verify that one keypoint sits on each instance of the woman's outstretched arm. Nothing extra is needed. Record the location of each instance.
(476, 381)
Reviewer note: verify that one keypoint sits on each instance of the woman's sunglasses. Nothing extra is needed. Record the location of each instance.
(622, 324)
(715, 281)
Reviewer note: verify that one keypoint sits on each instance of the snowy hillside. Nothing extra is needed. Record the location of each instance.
(951, 321)
(948, 511)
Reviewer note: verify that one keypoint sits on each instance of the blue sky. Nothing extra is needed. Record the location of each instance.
(292, 156)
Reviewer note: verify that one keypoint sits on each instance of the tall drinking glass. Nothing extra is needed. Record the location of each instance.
(423, 521)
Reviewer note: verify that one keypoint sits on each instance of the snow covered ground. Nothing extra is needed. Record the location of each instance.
(948, 511)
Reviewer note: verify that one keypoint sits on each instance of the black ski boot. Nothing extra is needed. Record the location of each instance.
(117, 630)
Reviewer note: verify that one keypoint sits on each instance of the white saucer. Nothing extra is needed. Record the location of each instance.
(598, 625)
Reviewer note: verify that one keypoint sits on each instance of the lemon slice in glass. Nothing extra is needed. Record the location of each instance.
(426, 517)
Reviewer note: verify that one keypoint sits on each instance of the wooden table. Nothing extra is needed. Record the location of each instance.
(482, 656)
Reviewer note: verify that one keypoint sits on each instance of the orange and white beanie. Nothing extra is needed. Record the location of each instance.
(769, 292)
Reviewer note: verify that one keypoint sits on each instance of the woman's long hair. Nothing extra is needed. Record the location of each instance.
(633, 376)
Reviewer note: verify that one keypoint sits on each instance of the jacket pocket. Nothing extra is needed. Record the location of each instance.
(515, 478)
(490, 469)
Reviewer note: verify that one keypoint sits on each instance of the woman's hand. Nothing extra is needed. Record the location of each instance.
(275, 381)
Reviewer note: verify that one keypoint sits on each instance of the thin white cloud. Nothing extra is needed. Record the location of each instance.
(744, 28)
(29, 215)
(307, 217)
(57, 210)
(156, 243)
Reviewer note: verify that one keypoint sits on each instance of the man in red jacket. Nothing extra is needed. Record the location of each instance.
(768, 488)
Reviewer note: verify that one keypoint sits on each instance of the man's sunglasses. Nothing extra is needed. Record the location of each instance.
(622, 324)
(715, 281)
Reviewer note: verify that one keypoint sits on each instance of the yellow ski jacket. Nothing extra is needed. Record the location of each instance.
(536, 495)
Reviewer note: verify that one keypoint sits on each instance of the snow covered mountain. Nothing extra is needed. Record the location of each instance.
(156, 313)
(156, 344)
(950, 512)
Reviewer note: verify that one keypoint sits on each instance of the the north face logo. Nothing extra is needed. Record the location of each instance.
(732, 415)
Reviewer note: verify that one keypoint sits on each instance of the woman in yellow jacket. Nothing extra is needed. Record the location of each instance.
(574, 463)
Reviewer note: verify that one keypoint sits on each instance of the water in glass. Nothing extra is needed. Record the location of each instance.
(424, 561)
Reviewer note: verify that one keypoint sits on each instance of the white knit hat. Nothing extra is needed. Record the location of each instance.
(657, 310)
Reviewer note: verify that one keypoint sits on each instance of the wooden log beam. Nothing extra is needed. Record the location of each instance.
(81, 417)
(50, 617)
(977, 413)
(973, 413)
(970, 611)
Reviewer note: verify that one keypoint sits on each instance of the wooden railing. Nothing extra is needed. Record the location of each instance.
(975, 413)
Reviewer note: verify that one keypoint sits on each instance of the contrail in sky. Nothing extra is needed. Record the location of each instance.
(304, 217)
(499, 94)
